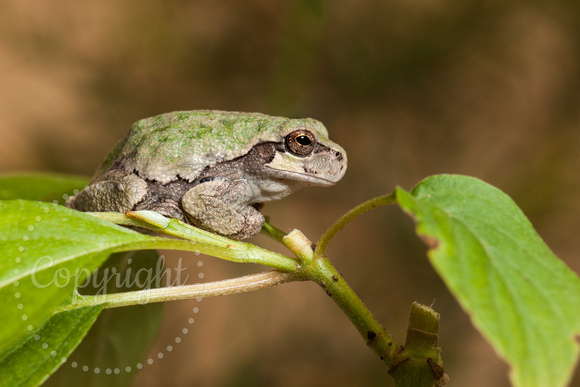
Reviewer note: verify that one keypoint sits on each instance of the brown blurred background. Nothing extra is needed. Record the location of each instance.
(410, 89)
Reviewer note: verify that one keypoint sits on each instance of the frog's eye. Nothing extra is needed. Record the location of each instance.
(300, 142)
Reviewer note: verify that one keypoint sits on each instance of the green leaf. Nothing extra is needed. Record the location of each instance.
(39, 355)
(47, 251)
(523, 299)
(115, 345)
(44, 187)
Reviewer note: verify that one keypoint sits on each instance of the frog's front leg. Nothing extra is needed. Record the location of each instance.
(222, 206)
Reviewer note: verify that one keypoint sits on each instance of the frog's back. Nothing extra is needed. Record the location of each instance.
(182, 144)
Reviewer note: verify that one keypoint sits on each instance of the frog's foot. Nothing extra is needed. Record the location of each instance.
(215, 206)
(115, 191)
(253, 222)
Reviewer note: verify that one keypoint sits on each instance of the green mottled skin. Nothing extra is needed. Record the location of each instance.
(210, 168)
(181, 144)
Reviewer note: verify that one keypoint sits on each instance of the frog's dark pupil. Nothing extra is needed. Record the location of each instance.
(300, 142)
(303, 140)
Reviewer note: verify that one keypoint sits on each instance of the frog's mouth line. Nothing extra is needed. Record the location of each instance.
(304, 177)
(318, 169)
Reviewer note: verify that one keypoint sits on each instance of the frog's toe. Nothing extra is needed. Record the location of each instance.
(253, 222)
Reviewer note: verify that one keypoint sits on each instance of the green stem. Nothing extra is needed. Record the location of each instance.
(273, 232)
(416, 364)
(239, 252)
(237, 285)
(376, 337)
(317, 268)
(349, 216)
(199, 241)
(419, 363)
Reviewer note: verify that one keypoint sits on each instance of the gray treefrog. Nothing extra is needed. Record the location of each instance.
(212, 169)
